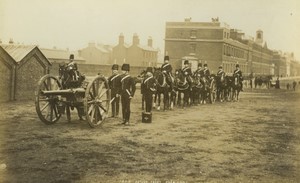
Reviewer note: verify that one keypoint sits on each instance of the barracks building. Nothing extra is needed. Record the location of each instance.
(216, 44)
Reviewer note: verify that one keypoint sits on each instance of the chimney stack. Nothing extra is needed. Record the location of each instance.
(135, 40)
(121, 39)
(11, 41)
(150, 41)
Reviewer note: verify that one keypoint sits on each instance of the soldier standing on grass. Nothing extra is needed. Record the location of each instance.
(149, 88)
(114, 84)
(127, 92)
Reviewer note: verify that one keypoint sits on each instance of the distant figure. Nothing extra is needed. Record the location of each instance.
(288, 86)
(294, 85)
(277, 86)
(251, 83)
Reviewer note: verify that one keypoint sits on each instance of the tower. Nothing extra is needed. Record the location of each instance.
(259, 39)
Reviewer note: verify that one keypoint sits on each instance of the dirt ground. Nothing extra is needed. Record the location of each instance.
(253, 140)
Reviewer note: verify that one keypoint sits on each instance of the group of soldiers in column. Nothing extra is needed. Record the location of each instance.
(123, 85)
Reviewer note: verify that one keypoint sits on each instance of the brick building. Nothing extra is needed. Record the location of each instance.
(61, 56)
(22, 66)
(135, 54)
(96, 54)
(216, 44)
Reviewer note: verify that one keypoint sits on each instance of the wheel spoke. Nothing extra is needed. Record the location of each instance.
(91, 94)
(51, 111)
(45, 84)
(101, 106)
(91, 108)
(100, 88)
(93, 113)
(44, 107)
(102, 93)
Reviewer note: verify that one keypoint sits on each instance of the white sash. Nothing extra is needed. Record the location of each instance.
(125, 78)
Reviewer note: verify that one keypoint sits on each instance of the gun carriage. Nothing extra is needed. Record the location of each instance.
(55, 96)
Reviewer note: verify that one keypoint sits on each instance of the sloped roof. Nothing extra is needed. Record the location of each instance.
(60, 54)
(100, 47)
(147, 48)
(16, 51)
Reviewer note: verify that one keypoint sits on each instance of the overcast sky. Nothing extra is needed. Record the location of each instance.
(73, 23)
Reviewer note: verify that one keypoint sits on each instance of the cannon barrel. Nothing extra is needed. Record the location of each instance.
(65, 91)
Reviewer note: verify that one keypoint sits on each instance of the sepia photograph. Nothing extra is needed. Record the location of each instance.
(149, 91)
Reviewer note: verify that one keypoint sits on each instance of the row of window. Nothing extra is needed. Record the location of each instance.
(234, 51)
(226, 35)
(230, 67)
(149, 54)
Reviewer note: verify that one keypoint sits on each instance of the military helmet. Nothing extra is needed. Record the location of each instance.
(149, 69)
(166, 58)
(115, 67)
(125, 67)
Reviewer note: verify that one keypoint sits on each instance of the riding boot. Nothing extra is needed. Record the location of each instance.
(242, 87)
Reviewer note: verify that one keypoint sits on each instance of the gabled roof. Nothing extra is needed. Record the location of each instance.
(59, 54)
(16, 51)
(147, 48)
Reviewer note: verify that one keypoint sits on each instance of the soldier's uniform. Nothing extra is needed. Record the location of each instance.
(166, 68)
(199, 71)
(149, 88)
(187, 70)
(188, 73)
(114, 82)
(238, 72)
(206, 72)
(220, 73)
(76, 78)
(127, 92)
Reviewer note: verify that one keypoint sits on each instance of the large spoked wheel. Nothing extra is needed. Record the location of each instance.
(96, 101)
(46, 105)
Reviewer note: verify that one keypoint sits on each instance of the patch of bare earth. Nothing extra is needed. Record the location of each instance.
(253, 140)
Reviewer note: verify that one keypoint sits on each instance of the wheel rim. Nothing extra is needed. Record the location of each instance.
(97, 100)
(46, 105)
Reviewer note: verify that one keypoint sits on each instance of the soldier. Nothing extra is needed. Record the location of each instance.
(127, 92)
(220, 73)
(115, 86)
(237, 72)
(188, 73)
(73, 66)
(199, 70)
(149, 88)
(186, 69)
(166, 68)
(206, 72)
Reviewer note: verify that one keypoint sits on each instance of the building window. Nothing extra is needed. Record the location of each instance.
(193, 34)
(193, 47)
